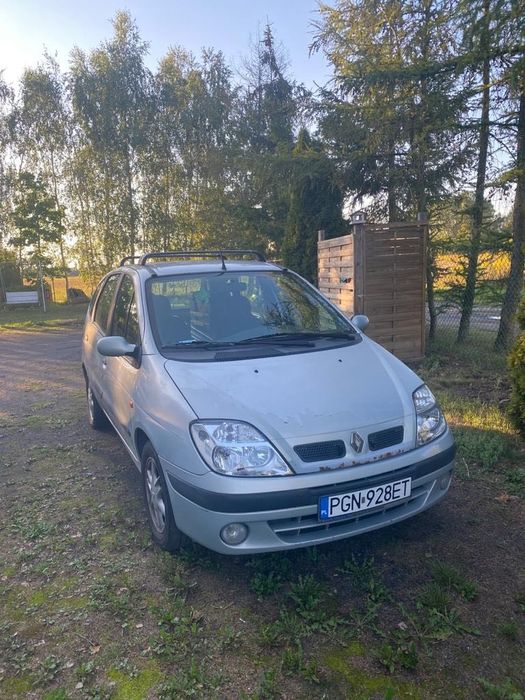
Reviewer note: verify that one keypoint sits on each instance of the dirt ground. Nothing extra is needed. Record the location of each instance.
(89, 608)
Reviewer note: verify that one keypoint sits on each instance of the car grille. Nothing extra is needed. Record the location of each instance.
(309, 529)
(385, 438)
(317, 451)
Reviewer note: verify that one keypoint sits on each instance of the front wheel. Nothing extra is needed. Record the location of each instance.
(96, 416)
(158, 506)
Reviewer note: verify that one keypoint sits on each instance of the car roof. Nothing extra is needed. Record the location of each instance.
(187, 267)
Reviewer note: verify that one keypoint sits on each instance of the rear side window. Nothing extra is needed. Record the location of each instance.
(93, 300)
(125, 321)
(104, 303)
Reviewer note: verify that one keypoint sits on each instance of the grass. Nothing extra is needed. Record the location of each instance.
(471, 383)
(33, 317)
(449, 578)
(474, 357)
(58, 287)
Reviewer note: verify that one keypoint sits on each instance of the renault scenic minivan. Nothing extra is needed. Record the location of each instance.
(259, 416)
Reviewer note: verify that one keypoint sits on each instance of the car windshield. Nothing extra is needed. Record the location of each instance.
(234, 309)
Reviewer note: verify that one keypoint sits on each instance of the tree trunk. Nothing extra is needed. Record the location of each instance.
(62, 255)
(432, 313)
(109, 258)
(391, 195)
(467, 303)
(515, 281)
(64, 267)
(129, 186)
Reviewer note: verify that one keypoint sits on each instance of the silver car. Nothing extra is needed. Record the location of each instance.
(259, 416)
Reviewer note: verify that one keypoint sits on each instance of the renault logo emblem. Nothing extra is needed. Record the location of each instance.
(357, 442)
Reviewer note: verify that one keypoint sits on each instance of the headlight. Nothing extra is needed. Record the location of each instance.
(431, 422)
(237, 449)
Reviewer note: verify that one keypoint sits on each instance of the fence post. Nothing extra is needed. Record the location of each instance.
(42, 286)
(358, 231)
(422, 219)
(2, 285)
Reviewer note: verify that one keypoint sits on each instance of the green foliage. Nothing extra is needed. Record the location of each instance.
(515, 477)
(401, 655)
(267, 688)
(450, 578)
(450, 239)
(509, 630)
(47, 670)
(315, 204)
(501, 691)
(56, 694)
(434, 597)
(109, 88)
(516, 362)
(390, 118)
(191, 681)
(36, 218)
(293, 663)
(520, 600)
(306, 592)
(485, 449)
(361, 571)
(265, 584)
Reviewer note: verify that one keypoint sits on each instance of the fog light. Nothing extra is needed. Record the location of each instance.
(444, 482)
(234, 533)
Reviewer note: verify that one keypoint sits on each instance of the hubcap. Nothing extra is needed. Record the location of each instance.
(90, 403)
(155, 495)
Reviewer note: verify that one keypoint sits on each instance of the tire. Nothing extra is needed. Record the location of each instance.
(96, 417)
(158, 505)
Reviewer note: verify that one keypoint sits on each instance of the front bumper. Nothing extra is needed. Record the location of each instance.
(281, 518)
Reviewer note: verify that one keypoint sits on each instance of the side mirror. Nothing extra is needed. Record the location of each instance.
(360, 321)
(115, 346)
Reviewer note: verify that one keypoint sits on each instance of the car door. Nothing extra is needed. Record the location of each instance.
(97, 326)
(122, 372)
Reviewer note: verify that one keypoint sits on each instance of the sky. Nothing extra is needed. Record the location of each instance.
(27, 27)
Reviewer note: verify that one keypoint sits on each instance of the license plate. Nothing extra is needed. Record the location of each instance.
(345, 504)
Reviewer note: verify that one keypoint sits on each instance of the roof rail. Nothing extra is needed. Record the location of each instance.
(220, 254)
(129, 260)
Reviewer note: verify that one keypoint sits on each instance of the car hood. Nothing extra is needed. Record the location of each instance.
(308, 396)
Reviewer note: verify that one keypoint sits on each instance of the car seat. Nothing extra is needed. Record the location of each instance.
(171, 328)
(230, 311)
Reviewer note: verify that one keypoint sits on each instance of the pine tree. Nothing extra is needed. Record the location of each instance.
(392, 121)
(267, 117)
(315, 203)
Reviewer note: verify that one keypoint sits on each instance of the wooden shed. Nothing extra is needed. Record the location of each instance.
(379, 270)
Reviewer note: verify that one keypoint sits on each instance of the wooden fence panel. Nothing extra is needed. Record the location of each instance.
(394, 286)
(336, 271)
(379, 270)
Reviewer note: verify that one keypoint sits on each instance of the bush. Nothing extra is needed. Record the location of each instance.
(517, 374)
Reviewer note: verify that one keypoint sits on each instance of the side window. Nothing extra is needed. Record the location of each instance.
(93, 299)
(132, 330)
(125, 320)
(104, 302)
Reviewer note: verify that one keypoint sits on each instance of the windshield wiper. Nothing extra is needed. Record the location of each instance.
(197, 344)
(344, 335)
(300, 338)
